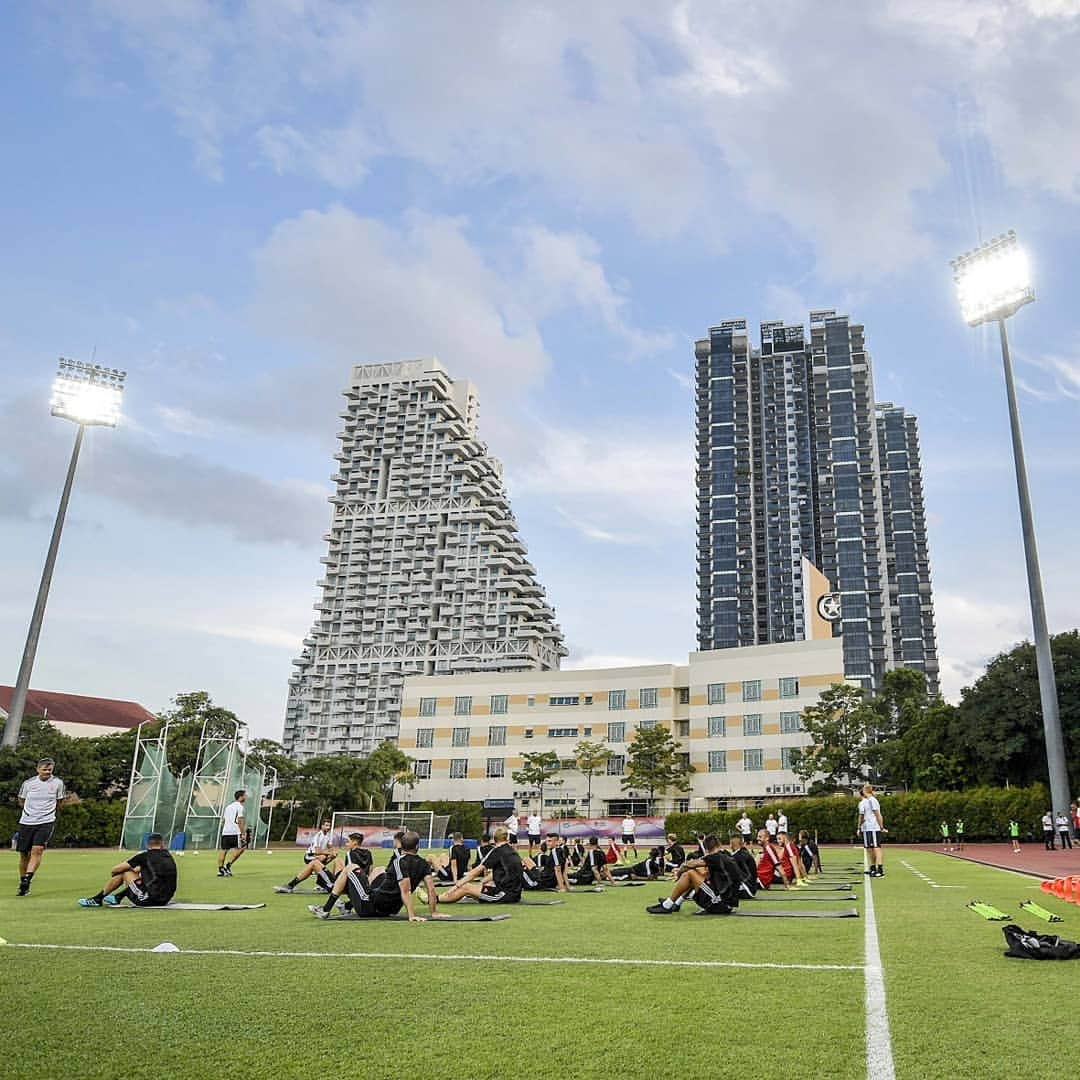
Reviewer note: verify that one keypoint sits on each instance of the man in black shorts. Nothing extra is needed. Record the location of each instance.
(39, 797)
(745, 866)
(708, 880)
(506, 884)
(593, 868)
(646, 870)
(379, 897)
(147, 879)
(674, 855)
(452, 867)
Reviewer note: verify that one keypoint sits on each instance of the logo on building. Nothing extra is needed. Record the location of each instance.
(828, 606)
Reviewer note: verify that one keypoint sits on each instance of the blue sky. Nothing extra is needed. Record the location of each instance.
(235, 202)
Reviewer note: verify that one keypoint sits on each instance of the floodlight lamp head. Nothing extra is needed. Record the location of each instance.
(993, 281)
(87, 394)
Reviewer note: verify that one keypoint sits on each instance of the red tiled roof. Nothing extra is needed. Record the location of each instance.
(76, 709)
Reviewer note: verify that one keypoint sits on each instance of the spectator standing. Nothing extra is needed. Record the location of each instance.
(1048, 830)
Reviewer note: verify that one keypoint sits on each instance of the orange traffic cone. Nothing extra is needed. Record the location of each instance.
(1073, 893)
(1059, 888)
(1047, 885)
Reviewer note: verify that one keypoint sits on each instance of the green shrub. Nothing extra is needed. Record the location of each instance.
(911, 818)
(90, 823)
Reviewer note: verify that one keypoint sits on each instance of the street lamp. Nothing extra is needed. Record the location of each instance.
(994, 282)
(88, 395)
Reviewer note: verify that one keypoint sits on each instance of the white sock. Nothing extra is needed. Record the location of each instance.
(668, 904)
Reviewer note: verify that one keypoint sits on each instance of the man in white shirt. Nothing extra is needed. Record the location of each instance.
(39, 797)
(1048, 830)
(781, 823)
(233, 836)
(629, 837)
(319, 859)
(1063, 830)
(511, 826)
(746, 827)
(533, 826)
(871, 826)
(772, 826)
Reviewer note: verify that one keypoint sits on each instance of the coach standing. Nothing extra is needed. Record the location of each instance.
(39, 797)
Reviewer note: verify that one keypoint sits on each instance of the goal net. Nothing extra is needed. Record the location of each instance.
(378, 827)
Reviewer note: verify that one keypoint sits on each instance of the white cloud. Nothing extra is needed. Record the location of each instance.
(676, 118)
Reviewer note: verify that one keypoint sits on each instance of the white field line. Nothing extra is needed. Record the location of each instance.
(879, 1059)
(929, 881)
(611, 961)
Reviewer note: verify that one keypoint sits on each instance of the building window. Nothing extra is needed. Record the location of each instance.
(499, 704)
(717, 726)
(463, 706)
(684, 695)
(616, 765)
(495, 768)
(683, 729)
(648, 697)
(460, 737)
(753, 760)
(717, 693)
(422, 770)
(646, 725)
(528, 733)
(531, 701)
(789, 687)
(564, 700)
(616, 732)
(459, 768)
(717, 761)
(496, 736)
(425, 736)
(616, 699)
(751, 690)
(562, 732)
(790, 722)
(751, 724)
(427, 706)
(588, 699)
(786, 754)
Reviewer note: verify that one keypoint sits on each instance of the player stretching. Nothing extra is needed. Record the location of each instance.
(708, 880)
(319, 859)
(506, 876)
(147, 879)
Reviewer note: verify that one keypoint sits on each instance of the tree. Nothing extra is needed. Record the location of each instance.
(839, 725)
(190, 712)
(537, 771)
(998, 722)
(653, 763)
(591, 758)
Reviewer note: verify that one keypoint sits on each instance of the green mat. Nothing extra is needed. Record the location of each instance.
(1039, 912)
(988, 911)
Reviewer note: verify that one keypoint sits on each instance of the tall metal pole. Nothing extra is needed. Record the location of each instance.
(1055, 744)
(22, 683)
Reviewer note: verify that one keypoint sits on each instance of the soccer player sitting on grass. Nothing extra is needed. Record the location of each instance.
(646, 870)
(769, 864)
(790, 859)
(708, 880)
(811, 856)
(594, 866)
(504, 863)
(553, 862)
(147, 879)
(455, 866)
(675, 855)
(320, 860)
(378, 894)
(745, 867)
(356, 858)
(483, 846)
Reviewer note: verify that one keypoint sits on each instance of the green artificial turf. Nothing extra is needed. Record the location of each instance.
(955, 1005)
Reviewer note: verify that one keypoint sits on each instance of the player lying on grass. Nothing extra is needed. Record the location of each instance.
(454, 866)
(147, 879)
(375, 893)
(594, 867)
(507, 880)
(709, 880)
(770, 866)
(320, 859)
(646, 870)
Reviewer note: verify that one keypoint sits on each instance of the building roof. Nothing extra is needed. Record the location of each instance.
(76, 709)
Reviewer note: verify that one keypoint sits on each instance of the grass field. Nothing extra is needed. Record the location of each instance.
(514, 1000)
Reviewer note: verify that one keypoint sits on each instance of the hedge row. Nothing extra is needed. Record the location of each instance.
(911, 818)
(90, 823)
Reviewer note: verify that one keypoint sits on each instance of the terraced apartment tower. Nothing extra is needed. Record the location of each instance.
(425, 571)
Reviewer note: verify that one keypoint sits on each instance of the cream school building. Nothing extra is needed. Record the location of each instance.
(736, 713)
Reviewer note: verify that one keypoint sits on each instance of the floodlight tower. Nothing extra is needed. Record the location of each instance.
(994, 282)
(88, 395)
